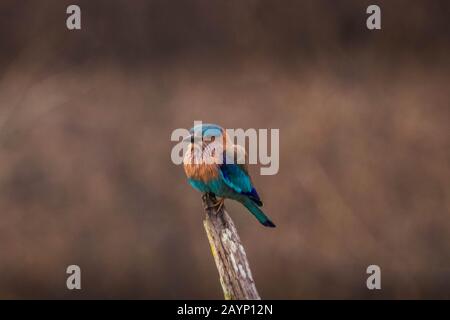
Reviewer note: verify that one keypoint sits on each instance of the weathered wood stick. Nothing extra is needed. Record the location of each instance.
(229, 254)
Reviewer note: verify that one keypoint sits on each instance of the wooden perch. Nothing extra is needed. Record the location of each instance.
(229, 254)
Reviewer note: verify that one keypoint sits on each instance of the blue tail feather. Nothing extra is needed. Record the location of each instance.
(257, 212)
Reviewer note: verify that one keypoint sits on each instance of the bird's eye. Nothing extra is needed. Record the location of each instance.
(209, 138)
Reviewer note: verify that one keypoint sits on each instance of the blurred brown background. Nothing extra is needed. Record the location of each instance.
(85, 124)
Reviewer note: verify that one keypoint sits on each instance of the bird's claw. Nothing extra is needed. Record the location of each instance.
(217, 206)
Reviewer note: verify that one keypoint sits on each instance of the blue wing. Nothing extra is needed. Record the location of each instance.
(236, 177)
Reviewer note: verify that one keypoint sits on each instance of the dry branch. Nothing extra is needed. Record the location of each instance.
(229, 254)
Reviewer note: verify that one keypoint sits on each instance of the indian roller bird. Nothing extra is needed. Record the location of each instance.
(215, 166)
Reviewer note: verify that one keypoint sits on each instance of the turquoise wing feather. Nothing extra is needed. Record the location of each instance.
(236, 177)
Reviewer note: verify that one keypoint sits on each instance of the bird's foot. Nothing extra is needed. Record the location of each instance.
(219, 205)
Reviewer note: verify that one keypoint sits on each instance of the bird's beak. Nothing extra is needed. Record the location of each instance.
(188, 138)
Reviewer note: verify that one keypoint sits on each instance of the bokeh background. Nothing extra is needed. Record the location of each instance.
(85, 123)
